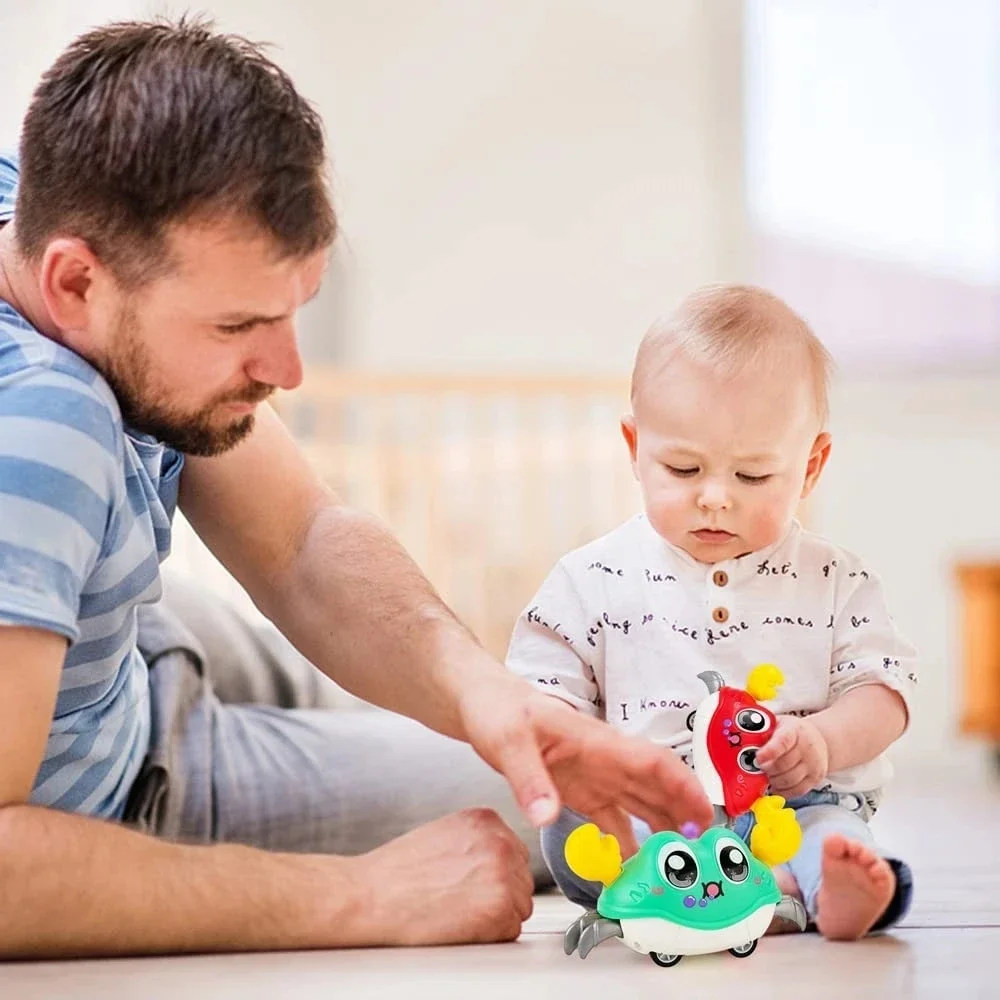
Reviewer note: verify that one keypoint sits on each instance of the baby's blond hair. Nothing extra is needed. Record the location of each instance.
(730, 329)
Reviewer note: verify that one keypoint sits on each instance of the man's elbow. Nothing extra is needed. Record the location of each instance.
(15, 875)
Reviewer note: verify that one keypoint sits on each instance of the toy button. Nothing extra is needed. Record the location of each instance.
(721, 615)
(720, 578)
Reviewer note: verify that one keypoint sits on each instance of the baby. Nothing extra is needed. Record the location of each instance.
(726, 436)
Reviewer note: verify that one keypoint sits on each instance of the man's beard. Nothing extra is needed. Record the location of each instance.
(129, 373)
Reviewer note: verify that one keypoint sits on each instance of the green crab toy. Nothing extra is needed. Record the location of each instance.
(682, 896)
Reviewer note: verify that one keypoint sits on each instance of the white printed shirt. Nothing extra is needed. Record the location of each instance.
(622, 627)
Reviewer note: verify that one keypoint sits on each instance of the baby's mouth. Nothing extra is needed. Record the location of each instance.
(713, 535)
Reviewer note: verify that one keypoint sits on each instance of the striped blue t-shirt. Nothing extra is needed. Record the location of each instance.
(85, 511)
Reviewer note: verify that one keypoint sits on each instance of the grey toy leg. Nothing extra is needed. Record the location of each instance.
(572, 936)
(722, 818)
(597, 931)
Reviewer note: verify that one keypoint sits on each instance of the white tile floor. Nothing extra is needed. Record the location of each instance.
(948, 827)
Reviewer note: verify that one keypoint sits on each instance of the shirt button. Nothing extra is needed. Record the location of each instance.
(720, 578)
(721, 615)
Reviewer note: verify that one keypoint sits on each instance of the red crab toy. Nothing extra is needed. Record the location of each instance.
(727, 730)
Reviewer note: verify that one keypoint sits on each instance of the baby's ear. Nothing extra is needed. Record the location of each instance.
(630, 433)
(818, 456)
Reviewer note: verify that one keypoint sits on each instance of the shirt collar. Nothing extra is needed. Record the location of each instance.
(739, 569)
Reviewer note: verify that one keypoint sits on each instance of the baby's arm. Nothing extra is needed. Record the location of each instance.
(862, 723)
(872, 676)
(554, 646)
(855, 729)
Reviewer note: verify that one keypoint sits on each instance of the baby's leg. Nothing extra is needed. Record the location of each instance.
(848, 888)
(781, 924)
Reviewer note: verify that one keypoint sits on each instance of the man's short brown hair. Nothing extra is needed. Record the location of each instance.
(142, 125)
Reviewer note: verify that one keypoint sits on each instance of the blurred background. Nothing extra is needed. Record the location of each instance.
(524, 185)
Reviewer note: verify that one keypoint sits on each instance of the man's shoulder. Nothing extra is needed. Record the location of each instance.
(8, 183)
(43, 385)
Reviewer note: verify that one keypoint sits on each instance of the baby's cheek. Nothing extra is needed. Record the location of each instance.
(768, 522)
(666, 517)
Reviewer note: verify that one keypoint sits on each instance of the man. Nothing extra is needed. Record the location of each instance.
(166, 219)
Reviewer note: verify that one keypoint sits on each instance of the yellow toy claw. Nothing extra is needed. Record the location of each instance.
(776, 835)
(764, 681)
(593, 856)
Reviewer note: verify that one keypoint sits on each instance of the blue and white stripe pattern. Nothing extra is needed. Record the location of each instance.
(85, 511)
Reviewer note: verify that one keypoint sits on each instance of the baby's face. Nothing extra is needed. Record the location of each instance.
(722, 465)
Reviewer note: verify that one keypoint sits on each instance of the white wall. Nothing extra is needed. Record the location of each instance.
(523, 184)
(914, 485)
(876, 127)
(873, 159)
(33, 36)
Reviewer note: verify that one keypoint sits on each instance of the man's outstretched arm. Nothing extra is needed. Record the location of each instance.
(344, 591)
(72, 886)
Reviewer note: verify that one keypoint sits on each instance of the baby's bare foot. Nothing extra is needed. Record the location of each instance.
(856, 888)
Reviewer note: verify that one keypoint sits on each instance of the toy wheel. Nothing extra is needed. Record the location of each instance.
(664, 961)
(744, 950)
(690, 721)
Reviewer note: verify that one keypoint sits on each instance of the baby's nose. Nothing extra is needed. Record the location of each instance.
(713, 498)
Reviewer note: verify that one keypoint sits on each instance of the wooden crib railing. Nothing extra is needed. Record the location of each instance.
(486, 480)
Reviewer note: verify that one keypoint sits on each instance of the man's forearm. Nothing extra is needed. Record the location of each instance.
(861, 724)
(357, 606)
(71, 886)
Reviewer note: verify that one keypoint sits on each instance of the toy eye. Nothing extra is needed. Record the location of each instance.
(747, 759)
(733, 861)
(752, 720)
(679, 866)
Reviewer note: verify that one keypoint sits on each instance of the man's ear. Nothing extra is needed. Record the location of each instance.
(818, 456)
(66, 282)
(631, 435)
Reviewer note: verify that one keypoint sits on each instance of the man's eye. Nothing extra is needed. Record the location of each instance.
(753, 480)
(683, 473)
(238, 327)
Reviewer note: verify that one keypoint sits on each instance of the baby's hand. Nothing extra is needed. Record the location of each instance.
(795, 758)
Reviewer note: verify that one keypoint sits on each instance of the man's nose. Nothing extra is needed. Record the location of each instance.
(279, 361)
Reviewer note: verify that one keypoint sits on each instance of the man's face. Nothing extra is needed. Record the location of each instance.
(190, 355)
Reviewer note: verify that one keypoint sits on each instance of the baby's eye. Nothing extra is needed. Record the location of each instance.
(682, 473)
(752, 480)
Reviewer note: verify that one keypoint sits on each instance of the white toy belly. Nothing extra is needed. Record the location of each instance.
(646, 934)
(703, 766)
